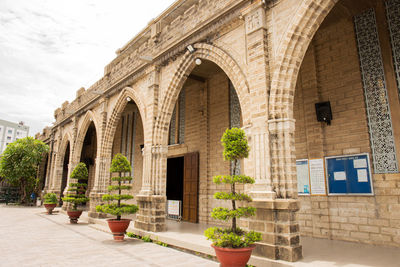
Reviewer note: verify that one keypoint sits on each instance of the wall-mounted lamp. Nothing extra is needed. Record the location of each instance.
(324, 112)
(128, 99)
(190, 48)
(198, 61)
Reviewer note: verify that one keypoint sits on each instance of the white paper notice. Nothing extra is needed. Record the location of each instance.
(317, 176)
(362, 175)
(339, 176)
(303, 182)
(360, 163)
(173, 207)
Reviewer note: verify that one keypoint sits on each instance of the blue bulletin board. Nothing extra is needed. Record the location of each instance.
(349, 175)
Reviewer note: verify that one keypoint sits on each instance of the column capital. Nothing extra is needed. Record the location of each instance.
(279, 125)
(254, 16)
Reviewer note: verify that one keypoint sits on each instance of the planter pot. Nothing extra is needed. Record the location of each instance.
(74, 215)
(50, 208)
(233, 257)
(118, 228)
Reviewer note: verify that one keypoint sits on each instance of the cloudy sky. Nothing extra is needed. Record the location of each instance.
(51, 48)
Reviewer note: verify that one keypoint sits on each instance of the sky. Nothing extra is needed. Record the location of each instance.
(51, 48)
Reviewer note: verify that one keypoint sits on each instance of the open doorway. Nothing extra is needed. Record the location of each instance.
(175, 178)
(183, 184)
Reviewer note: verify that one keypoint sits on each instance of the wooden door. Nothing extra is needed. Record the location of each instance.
(191, 187)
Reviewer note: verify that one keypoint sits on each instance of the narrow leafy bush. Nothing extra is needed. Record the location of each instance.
(235, 148)
(77, 189)
(119, 165)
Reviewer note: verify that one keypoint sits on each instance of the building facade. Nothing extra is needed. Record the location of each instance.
(10, 132)
(313, 83)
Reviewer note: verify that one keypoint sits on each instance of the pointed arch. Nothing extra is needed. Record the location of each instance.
(294, 45)
(59, 161)
(87, 120)
(184, 68)
(106, 148)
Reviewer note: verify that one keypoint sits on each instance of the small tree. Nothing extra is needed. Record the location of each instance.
(19, 163)
(119, 165)
(77, 188)
(235, 148)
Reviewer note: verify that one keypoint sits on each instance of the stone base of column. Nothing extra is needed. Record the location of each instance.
(151, 214)
(95, 199)
(276, 220)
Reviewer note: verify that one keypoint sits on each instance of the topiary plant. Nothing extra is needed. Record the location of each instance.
(77, 189)
(50, 198)
(235, 148)
(119, 165)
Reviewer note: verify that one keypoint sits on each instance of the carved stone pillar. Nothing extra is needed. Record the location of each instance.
(152, 198)
(271, 161)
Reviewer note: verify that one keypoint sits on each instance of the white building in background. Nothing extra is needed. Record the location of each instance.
(10, 132)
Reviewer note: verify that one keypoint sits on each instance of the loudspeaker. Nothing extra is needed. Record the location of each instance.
(324, 112)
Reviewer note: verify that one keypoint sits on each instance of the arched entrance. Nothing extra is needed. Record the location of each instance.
(89, 152)
(207, 105)
(348, 68)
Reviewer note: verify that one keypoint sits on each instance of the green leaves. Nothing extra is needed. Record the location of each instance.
(117, 187)
(77, 190)
(226, 214)
(121, 179)
(80, 172)
(227, 238)
(19, 163)
(120, 164)
(50, 198)
(113, 209)
(231, 179)
(116, 197)
(235, 144)
(232, 196)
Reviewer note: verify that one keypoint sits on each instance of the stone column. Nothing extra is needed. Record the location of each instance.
(49, 164)
(152, 198)
(102, 165)
(271, 161)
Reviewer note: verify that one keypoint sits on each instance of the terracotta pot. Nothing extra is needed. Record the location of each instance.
(118, 228)
(74, 215)
(50, 208)
(233, 257)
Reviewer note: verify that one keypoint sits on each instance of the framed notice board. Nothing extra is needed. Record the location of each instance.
(349, 175)
(303, 177)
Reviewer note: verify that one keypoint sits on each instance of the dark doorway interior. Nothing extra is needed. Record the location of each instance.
(64, 173)
(175, 178)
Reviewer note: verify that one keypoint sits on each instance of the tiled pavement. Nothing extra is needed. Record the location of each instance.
(29, 237)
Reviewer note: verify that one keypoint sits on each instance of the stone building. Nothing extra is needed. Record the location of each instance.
(206, 65)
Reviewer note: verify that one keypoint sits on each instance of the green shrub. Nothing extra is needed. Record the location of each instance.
(147, 238)
(77, 189)
(235, 148)
(50, 198)
(119, 165)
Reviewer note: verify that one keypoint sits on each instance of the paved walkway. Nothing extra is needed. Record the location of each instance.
(29, 237)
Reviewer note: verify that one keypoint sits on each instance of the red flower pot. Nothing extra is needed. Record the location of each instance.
(50, 208)
(74, 215)
(118, 228)
(233, 257)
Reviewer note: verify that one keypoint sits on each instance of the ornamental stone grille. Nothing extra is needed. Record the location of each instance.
(393, 17)
(373, 78)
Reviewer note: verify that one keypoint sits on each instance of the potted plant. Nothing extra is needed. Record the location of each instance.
(118, 226)
(233, 246)
(50, 202)
(76, 192)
